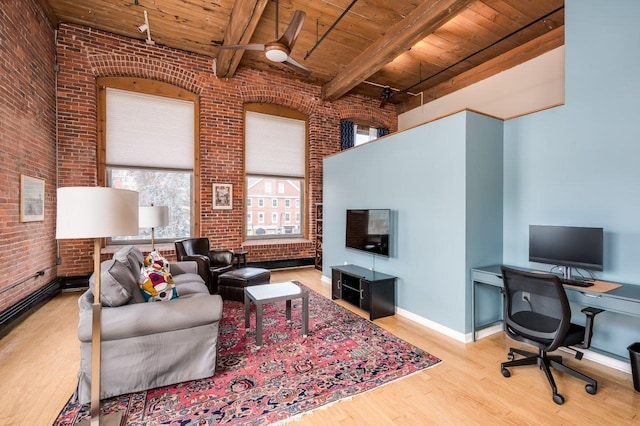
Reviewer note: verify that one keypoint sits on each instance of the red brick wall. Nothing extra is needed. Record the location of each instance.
(85, 54)
(27, 147)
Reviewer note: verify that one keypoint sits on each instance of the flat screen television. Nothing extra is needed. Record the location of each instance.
(368, 230)
(569, 246)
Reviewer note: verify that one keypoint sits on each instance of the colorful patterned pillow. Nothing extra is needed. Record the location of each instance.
(156, 282)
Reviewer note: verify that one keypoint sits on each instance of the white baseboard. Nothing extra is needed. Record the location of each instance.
(432, 325)
(607, 361)
(596, 357)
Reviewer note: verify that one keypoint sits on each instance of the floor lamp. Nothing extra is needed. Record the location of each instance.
(153, 217)
(96, 212)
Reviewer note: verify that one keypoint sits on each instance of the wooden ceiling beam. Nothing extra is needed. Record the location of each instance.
(424, 20)
(48, 10)
(244, 19)
(516, 56)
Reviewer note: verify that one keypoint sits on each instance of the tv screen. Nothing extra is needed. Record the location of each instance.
(571, 246)
(368, 230)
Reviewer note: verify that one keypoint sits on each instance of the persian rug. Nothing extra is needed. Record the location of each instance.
(343, 355)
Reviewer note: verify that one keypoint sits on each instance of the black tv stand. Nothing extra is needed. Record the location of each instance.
(370, 291)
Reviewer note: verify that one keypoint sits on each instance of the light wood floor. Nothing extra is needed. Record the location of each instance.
(39, 359)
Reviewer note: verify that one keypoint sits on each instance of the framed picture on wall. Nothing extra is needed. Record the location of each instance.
(222, 195)
(31, 199)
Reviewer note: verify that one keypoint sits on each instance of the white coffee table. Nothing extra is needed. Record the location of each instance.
(275, 292)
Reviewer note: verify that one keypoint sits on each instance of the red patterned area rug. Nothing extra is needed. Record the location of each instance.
(342, 356)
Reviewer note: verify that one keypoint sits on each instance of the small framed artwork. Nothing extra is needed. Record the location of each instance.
(31, 199)
(222, 195)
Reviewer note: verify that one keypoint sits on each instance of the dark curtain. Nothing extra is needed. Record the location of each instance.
(347, 134)
(382, 131)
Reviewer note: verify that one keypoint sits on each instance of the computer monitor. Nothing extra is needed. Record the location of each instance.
(568, 246)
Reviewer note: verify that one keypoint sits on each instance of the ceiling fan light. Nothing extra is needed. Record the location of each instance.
(276, 55)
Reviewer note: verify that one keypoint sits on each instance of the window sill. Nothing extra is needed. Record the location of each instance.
(275, 242)
(144, 248)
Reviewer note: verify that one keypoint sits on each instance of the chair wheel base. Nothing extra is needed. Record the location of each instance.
(591, 389)
(506, 373)
(558, 399)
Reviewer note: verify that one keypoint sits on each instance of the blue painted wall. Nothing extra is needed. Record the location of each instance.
(579, 164)
(443, 182)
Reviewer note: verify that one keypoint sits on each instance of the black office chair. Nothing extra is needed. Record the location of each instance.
(537, 312)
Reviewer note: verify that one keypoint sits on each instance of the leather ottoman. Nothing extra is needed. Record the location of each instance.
(231, 284)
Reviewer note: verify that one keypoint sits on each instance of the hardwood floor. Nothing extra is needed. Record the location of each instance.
(39, 360)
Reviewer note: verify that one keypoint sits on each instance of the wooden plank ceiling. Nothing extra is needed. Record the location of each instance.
(362, 46)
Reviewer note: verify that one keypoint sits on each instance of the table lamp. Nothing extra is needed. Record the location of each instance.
(96, 212)
(153, 217)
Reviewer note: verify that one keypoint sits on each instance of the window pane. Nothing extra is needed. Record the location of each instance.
(160, 188)
(280, 213)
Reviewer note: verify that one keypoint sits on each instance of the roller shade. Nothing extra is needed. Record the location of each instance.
(148, 130)
(274, 145)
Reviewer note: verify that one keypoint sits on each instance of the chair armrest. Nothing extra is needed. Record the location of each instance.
(221, 258)
(591, 313)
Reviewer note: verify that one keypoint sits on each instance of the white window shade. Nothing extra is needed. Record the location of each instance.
(148, 130)
(274, 145)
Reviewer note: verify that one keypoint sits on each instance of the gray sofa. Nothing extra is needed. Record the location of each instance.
(148, 344)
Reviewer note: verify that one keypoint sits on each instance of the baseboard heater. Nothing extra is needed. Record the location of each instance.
(14, 312)
(281, 264)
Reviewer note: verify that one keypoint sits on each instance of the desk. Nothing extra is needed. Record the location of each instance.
(624, 300)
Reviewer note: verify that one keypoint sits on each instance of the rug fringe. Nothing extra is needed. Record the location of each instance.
(347, 398)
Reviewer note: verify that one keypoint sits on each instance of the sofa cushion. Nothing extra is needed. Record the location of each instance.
(132, 257)
(117, 283)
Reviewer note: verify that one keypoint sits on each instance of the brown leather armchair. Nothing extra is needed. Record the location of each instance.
(211, 263)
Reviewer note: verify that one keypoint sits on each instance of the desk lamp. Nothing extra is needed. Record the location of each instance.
(153, 217)
(96, 212)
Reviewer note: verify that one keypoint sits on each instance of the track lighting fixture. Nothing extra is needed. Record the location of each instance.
(145, 27)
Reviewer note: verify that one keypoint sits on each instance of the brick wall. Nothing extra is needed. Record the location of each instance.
(27, 147)
(85, 54)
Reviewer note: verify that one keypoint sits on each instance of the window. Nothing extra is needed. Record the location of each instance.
(364, 133)
(130, 123)
(260, 202)
(275, 157)
(249, 218)
(260, 217)
(249, 202)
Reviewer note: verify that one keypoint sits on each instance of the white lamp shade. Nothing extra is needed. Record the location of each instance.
(153, 216)
(96, 212)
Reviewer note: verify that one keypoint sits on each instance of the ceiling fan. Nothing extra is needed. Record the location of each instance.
(387, 93)
(280, 49)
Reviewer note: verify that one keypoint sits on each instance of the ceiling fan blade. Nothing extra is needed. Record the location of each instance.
(297, 66)
(242, 46)
(293, 30)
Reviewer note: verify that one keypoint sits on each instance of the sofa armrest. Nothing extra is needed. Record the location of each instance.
(203, 263)
(184, 267)
(140, 319)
